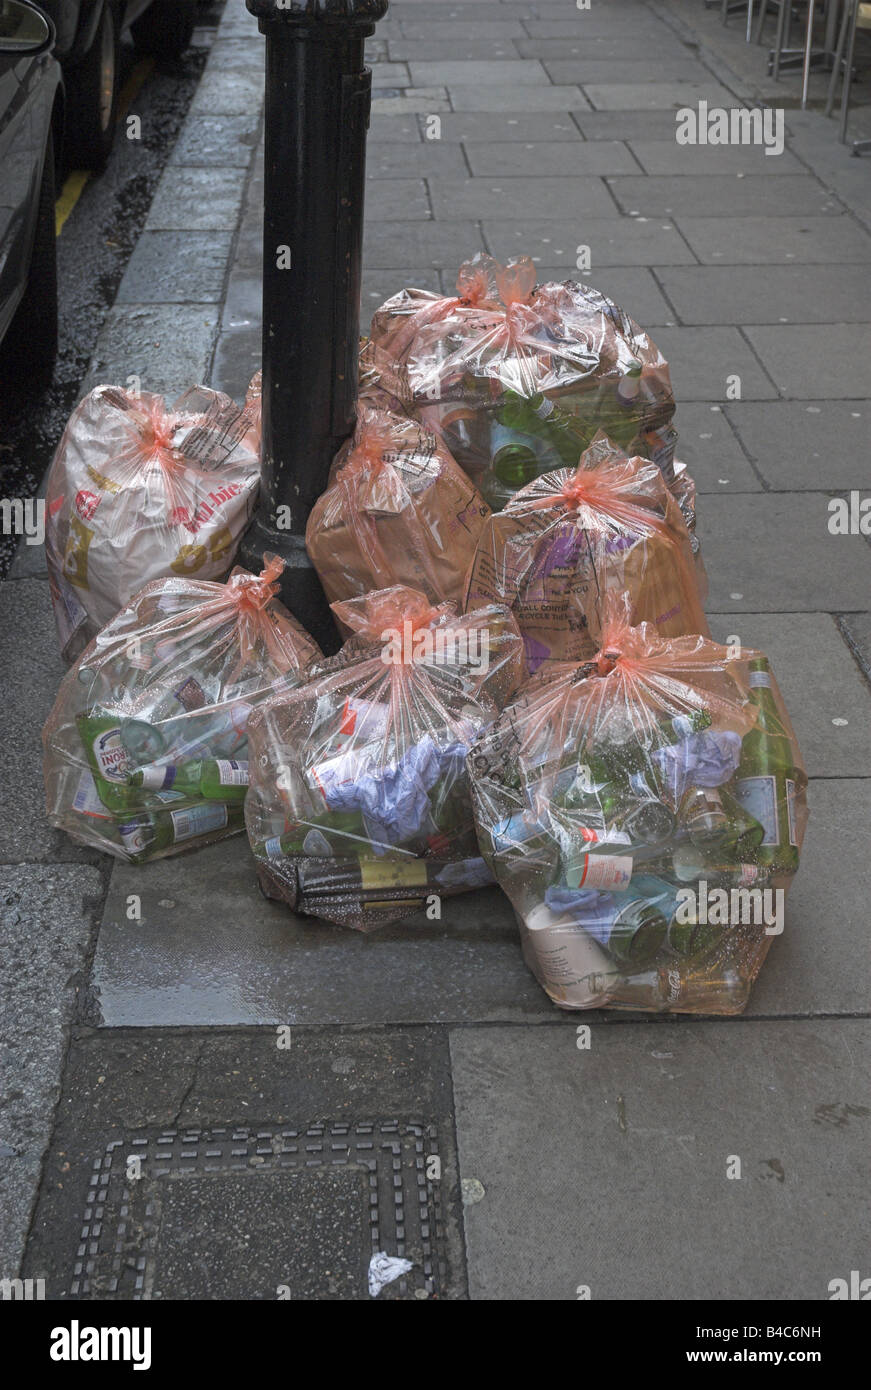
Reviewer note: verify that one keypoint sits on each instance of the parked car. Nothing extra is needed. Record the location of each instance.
(31, 129)
(88, 39)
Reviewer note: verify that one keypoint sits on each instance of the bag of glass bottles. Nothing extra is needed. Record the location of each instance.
(644, 811)
(571, 537)
(382, 383)
(519, 378)
(397, 510)
(359, 809)
(137, 492)
(146, 748)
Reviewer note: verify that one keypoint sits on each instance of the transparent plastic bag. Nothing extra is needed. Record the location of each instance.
(359, 809)
(137, 491)
(510, 365)
(571, 537)
(644, 812)
(382, 382)
(146, 747)
(397, 510)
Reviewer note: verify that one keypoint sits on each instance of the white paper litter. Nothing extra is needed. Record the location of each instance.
(383, 1269)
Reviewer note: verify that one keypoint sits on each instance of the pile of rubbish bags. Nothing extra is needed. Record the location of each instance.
(527, 694)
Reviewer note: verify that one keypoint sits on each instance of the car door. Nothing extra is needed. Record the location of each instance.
(19, 168)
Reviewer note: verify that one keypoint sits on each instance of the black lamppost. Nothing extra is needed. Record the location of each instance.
(317, 113)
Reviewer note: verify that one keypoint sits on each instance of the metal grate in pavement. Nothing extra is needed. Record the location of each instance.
(390, 1169)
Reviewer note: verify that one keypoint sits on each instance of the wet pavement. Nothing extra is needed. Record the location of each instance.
(219, 1039)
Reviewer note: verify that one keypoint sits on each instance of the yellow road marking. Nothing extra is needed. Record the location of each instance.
(69, 196)
(76, 180)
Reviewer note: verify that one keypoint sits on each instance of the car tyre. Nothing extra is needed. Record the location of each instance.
(30, 344)
(92, 98)
(166, 28)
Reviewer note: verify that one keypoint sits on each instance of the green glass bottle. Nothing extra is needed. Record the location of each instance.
(559, 437)
(767, 779)
(213, 779)
(618, 408)
(107, 758)
(146, 834)
(326, 836)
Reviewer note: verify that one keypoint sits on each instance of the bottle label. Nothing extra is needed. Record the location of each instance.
(190, 695)
(197, 820)
(604, 871)
(790, 812)
(272, 847)
(158, 778)
(110, 755)
(545, 409)
(390, 873)
(86, 800)
(133, 837)
(760, 678)
(758, 796)
(232, 774)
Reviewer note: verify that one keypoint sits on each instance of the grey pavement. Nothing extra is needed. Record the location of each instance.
(602, 1167)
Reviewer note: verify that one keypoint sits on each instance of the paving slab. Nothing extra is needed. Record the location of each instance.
(634, 70)
(703, 161)
(726, 195)
(810, 362)
(178, 267)
(542, 126)
(391, 75)
(461, 30)
(797, 446)
(238, 355)
(442, 49)
(820, 963)
(709, 448)
(211, 951)
(626, 125)
(799, 643)
(510, 72)
(443, 244)
(622, 48)
(776, 240)
(33, 672)
(533, 97)
(168, 346)
(407, 101)
(46, 919)
(396, 128)
(607, 1168)
(224, 140)
(196, 200)
(701, 360)
(612, 241)
(768, 294)
(654, 96)
(541, 158)
(508, 198)
(787, 561)
(609, 24)
(265, 1172)
(401, 159)
(387, 199)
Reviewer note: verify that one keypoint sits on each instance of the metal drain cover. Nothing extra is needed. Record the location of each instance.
(247, 1213)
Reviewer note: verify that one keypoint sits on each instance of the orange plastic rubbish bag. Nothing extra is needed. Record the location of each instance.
(146, 748)
(397, 510)
(137, 491)
(476, 364)
(570, 537)
(644, 812)
(359, 809)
